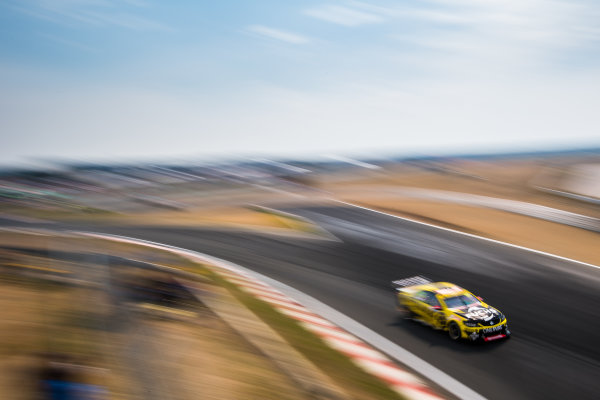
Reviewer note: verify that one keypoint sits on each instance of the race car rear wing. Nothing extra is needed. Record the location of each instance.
(412, 281)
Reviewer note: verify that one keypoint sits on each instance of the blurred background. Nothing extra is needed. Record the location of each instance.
(303, 140)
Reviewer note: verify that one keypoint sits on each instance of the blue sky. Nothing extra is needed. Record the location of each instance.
(105, 79)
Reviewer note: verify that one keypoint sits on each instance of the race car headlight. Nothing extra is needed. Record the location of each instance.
(500, 315)
(471, 323)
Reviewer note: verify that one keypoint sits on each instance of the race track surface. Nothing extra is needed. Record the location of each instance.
(553, 306)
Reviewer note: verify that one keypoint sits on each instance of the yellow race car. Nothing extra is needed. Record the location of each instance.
(449, 307)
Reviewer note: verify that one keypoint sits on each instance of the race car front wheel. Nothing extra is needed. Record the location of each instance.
(454, 330)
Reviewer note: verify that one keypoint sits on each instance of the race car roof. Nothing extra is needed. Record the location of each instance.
(444, 289)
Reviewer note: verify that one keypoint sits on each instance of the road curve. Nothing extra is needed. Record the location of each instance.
(552, 305)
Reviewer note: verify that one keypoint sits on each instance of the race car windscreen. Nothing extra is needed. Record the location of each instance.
(460, 301)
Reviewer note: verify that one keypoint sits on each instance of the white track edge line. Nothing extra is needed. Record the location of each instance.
(355, 328)
(472, 235)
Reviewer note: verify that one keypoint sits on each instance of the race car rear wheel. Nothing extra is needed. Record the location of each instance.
(454, 330)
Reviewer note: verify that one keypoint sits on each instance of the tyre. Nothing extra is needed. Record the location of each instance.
(454, 331)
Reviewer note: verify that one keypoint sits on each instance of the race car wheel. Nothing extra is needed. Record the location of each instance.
(454, 330)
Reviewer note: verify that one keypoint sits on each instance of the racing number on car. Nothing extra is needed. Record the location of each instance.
(440, 319)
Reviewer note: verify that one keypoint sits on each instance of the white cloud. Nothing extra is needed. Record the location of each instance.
(496, 37)
(535, 22)
(343, 15)
(278, 34)
(100, 13)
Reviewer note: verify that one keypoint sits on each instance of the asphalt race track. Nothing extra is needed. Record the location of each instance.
(553, 306)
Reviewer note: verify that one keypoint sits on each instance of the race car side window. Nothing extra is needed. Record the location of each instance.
(427, 298)
(421, 296)
(432, 300)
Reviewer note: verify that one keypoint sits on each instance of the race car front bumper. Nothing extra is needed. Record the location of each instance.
(494, 337)
(488, 334)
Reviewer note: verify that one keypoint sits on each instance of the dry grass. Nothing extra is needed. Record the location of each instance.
(42, 318)
(212, 361)
(189, 357)
(227, 217)
(192, 359)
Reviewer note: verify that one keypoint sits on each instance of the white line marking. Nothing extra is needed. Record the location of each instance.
(471, 235)
(230, 274)
(252, 285)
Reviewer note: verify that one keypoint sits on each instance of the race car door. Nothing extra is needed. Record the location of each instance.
(428, 308)
(421, 308)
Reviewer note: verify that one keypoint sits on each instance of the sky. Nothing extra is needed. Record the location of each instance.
(148, 79)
